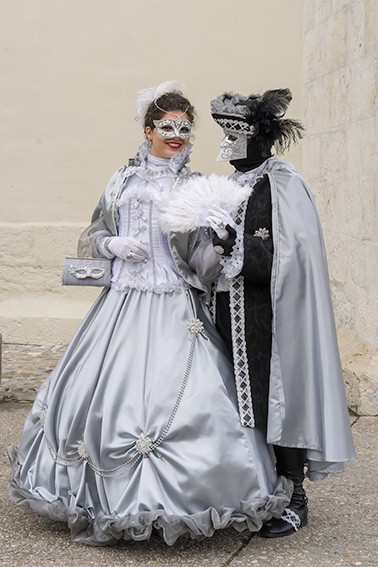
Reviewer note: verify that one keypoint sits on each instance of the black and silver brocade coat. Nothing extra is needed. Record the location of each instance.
(257, 267)
(288, 310)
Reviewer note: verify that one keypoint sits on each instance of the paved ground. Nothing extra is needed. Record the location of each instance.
(24, 368)
(343, 527)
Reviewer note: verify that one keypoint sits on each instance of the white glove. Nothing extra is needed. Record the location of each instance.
(218, 219)
(127, 249)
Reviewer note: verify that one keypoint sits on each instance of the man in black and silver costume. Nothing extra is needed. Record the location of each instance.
(276, 315)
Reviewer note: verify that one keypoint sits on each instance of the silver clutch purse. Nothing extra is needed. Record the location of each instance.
(87, 271)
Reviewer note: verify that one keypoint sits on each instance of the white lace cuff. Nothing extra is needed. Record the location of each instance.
(103, 249)
(232, 265)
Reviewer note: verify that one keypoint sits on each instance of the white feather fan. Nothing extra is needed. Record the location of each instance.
(189, 206)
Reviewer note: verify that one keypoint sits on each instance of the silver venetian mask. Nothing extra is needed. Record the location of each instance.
(237, 135)
(174, 128)
(233, 146)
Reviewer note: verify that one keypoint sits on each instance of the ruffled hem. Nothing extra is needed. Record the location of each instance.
(109, 529)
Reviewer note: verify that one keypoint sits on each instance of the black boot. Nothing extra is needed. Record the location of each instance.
(290, 463)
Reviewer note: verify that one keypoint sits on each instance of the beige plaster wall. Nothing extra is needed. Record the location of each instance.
(340, 109)
(69, 73)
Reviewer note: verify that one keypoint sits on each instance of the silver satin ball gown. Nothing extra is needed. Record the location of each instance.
(137, 428)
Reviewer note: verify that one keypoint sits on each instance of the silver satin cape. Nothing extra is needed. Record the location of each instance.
(307, 405)
(137, 428)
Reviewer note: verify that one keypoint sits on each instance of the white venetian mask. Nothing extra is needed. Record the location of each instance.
(174, 128)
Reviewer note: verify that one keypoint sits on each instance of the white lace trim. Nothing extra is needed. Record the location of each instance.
(139, 219)
(254, 175)
(232, 265)
(235, 285)
(239, 347)
(159, 288)
(179, 160)
(176, 164)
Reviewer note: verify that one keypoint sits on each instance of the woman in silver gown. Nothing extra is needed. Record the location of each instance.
(137, 428)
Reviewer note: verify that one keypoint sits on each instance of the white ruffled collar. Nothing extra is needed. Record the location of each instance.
(176, 164)
(268, 166)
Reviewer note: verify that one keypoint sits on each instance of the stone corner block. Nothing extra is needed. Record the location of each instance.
(360, 370)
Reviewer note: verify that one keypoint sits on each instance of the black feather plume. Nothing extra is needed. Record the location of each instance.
(290, 131)
(276, 101)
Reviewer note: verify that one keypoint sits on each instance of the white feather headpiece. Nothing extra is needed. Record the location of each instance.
(147, 96)
(188, 207)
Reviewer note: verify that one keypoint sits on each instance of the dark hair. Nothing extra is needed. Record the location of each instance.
(168, 101)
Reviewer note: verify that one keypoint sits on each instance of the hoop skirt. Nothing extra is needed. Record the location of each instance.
(137, 429)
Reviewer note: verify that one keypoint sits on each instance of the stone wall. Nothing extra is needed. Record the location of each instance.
(339, 158)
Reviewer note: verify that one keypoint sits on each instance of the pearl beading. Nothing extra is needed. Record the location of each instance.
(144, 445)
